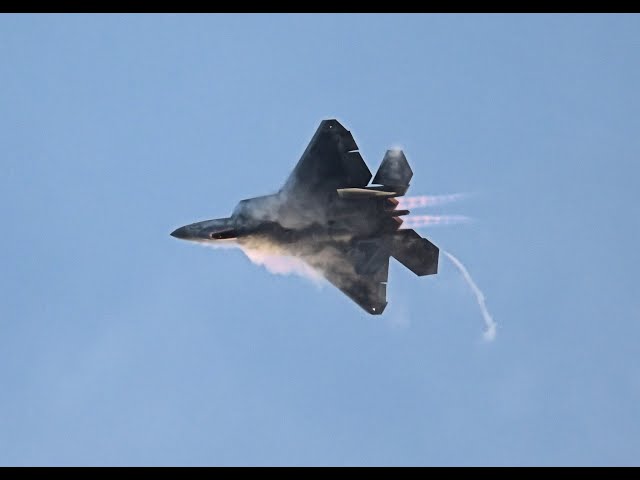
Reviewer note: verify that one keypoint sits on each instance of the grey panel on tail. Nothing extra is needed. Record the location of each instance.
(415, 252)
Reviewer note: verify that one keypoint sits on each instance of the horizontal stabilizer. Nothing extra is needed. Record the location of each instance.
(415, 252)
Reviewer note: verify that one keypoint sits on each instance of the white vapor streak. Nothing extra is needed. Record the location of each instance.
(271, 259)
(490, 332)
(429, 200)
(282, 264)
(416, 221)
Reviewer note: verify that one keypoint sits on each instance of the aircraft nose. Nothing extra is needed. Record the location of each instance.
(181, 233)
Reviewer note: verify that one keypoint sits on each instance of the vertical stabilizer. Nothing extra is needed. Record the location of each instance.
(394, 172)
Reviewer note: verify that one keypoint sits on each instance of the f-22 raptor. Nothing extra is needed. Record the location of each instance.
(327, 215)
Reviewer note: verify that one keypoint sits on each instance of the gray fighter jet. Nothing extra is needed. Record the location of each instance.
(327, 215)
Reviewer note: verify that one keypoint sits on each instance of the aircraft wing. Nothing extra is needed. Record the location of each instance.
(330, 161)
(360, 272)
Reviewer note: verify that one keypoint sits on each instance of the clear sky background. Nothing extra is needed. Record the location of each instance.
(120, 345)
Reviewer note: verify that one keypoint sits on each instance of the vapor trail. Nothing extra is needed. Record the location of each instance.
(429, 200)
(416, 221)
(490, 332)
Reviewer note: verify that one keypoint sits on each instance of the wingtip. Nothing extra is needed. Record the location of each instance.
(377, 309)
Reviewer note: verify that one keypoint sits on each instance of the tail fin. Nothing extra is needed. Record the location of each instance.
(415, 252)
(394, 172)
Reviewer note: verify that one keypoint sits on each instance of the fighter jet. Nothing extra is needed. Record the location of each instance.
(327, 215)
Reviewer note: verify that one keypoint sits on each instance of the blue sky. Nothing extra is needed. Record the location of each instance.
(120, 345)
